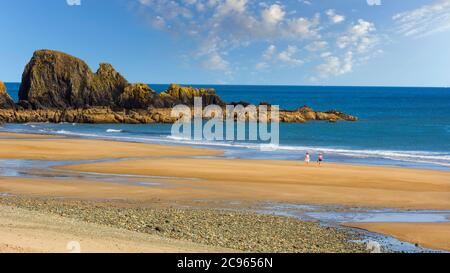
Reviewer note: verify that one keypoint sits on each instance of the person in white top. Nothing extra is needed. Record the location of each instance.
(307, 158)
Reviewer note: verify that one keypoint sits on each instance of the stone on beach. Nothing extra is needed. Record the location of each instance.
(241, 231)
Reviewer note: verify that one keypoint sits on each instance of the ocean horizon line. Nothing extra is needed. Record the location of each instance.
(287, 85)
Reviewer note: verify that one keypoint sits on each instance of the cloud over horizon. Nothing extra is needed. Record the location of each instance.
(425, 20)
(222, 26)
(327, 41)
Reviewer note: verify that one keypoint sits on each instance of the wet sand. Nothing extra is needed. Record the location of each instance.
(94, 190)
(293, 182)
(429, 235)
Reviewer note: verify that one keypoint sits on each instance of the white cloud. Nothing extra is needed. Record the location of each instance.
(426, 20)
(287, 56)
(359, 36)
(358, 43)
(270, 51)
(220, 27)
(362, 28)
(230, 6)
(325, 54)
(317, 46)
(215, 62)
(273, 15)
(334, 17)
(303, 27)
(335, 66)
(262, 65)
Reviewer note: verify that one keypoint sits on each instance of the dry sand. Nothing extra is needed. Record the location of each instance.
(429, 235)
(29, 231)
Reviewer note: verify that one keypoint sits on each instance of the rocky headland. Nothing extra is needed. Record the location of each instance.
(57, 87)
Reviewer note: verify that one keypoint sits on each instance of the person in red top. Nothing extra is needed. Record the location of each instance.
(320, 159)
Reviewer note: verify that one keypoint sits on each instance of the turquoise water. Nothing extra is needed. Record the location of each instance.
(398, 126)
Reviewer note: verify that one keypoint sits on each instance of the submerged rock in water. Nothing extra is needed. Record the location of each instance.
(6, 101)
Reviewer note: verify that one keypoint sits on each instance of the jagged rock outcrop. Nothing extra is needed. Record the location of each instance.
(57, 80)
(340, 116)
(141, 116)
(243, 103)
(6, 101)
(91, 115)
(137, 96)
(186, 94)
(107, 85)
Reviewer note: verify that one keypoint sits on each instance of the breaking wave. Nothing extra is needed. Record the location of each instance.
(286, 151)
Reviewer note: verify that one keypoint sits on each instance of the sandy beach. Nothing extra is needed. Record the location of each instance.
(225, 126)
(214, 180)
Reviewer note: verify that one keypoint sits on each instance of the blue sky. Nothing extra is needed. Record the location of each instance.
(296, 42)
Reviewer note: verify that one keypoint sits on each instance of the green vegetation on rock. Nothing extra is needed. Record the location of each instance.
(137, 96)
(186, 95)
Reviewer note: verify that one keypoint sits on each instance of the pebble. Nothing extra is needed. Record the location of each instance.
(242, 231)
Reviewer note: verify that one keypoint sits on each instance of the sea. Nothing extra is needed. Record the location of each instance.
(407, 127)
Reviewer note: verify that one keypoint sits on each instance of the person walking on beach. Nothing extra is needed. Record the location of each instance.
(320, 159)
(307, 158)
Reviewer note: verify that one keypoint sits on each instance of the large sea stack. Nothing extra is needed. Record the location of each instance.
(57, 80)
(5, 100)
(57, 87)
